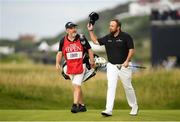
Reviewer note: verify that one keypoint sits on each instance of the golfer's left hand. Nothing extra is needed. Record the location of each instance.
(125, 64)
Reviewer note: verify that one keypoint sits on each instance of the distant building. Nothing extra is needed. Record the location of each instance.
(27, 37)
(147, 7)
(139, 8)
(165, 30)
(6, 50)
(55, 47)
(144, 7)
(44, 46)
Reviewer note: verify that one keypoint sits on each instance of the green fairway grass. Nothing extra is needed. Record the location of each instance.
(90, 115)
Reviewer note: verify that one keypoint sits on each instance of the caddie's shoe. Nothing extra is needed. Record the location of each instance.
(106, 113)
(74, 108)
(82, 108)
(134, 110)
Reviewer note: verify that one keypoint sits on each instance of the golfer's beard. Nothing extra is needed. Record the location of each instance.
(113, 32)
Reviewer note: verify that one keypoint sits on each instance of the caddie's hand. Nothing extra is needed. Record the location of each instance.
(89, 26)
(125, 64)
(58, 67)
(92, 63)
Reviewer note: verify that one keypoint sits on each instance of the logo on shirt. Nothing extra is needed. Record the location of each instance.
(109, 40)
(72, 48)
(119, 40)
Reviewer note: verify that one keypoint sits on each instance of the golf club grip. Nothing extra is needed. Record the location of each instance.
(141, 67)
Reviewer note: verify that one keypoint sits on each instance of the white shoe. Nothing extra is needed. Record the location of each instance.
(134, 110)
(106, 113)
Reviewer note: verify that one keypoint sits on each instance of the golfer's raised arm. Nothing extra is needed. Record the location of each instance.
(92, 34)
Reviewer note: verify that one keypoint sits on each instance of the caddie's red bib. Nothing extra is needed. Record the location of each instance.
(73, 53)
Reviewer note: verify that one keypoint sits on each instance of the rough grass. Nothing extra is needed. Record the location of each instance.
(36, 86)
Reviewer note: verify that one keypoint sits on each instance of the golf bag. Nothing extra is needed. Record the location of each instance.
(89, 72)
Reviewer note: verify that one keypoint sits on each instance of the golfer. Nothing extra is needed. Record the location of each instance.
(120, 50)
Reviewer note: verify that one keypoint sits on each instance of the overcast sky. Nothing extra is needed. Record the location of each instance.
(45, 18)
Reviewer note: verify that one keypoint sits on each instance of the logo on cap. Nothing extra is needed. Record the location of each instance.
(70, 25)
